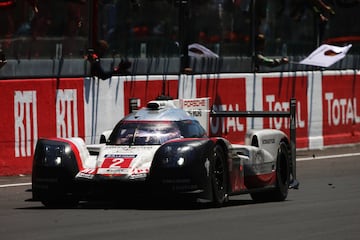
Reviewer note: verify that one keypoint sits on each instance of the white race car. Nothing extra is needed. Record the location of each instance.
(161, 151)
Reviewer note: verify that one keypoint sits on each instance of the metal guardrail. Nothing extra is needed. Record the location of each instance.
(79, 67)
(288, 114)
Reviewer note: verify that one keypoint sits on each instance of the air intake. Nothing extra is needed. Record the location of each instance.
(153, 106)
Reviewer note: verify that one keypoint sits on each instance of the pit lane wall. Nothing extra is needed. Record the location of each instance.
(327, 113)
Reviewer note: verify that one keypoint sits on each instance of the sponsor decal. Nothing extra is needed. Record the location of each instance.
(191, 103)
(120, 164)
(66, 113)
(88, 173)
(118, 161)
(33, 109)
(272, 104)
(226, 94)
(228, 124)
(277, 92)
(26, 122)
(341, 113)
(199, 109)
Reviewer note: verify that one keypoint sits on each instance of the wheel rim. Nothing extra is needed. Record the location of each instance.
(219, 174)
(218, 177)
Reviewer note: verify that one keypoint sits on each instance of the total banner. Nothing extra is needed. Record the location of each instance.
(341, 109)
(277, 92)
(33, 109)
(226, 93)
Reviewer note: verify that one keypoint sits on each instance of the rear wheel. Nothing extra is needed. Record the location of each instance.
(219, 177)
(282, 179)
(282, 173)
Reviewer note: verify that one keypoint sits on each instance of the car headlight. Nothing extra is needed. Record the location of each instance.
(180, 161)
(54, 155)
(174, 156)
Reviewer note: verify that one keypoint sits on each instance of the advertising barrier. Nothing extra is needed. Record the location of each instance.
(277, 91)
(226, 94)
(36, 108)
(327, 107)
(341, 109)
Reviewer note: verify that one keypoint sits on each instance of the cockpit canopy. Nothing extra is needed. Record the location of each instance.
(154, 132)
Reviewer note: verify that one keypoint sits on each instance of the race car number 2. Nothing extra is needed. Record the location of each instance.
(117, 162)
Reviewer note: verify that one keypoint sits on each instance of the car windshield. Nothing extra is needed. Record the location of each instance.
(144, 133)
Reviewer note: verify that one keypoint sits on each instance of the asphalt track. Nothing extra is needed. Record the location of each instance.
(327, 206)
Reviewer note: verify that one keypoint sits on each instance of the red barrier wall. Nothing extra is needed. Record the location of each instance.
(327, 102)
(276, 95)
(36, 108)
(147, 90)
(341, 109)
(226, 94)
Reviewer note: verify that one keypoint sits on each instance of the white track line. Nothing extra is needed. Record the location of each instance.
(297, 159)
(328, 156)
(15, 185)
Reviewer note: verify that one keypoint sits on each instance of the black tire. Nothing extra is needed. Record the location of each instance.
(219, 177)
(282, 173)
(282, 178)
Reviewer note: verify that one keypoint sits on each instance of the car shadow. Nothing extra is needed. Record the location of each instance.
(142, 204)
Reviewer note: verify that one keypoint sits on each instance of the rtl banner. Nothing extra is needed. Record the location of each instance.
(33, 109)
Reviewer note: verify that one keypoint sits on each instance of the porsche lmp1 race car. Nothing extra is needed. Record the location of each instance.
(160, 151)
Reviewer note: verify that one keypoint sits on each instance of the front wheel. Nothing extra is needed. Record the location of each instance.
(219, 177)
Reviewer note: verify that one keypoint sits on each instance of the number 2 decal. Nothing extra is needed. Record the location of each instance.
(116, 163)
(119, 161)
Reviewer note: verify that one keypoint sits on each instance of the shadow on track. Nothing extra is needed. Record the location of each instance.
(143, 204)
